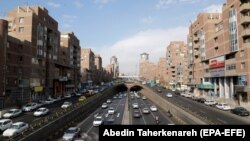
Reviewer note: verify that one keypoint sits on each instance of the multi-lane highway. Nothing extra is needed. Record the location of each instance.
(207, 113)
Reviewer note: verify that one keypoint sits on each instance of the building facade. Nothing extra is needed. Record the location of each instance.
(87, 65)
(68, 63)
(162, 76)
(114, 66)
(147, 70)
(226, 61)
(176, 61)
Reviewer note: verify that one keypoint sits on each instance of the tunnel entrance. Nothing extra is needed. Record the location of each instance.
(135, 88)
(124, 87)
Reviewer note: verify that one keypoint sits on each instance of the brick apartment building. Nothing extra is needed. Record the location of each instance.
(176, 57)
(147, 70)
(226, 62)
(30, 60)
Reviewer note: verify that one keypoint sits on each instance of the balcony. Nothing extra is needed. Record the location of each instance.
(245, 45)
(230, 61)
(244, 7)
(196, 38)
(196, 53)
(245, 32)
(196, 46)
(245, 20)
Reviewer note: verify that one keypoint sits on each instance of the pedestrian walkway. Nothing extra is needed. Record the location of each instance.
(125, 119)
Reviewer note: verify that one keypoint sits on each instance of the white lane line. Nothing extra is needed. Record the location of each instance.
(118, 114)
(116, 107)
(89, 129)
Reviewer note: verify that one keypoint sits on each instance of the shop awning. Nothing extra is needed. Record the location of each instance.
(206, 85)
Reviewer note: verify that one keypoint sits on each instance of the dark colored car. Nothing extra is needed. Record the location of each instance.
(201, 100)
(159, 91)
(137, 114)
(240, 111)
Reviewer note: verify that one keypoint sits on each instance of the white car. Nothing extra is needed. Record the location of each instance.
(12, 113)
(135, 105)
(111, 110)
(41, 112)
(169, 95)
(153, 108)
(109, 101)
(71, 134)
(66, 105)
(97, 121)
(104, 105)
(145, 111)
(5, 124)
(144, 98)
(29, 107)
(210, 102)
(67, 96)
(15, 129)
(223, 106)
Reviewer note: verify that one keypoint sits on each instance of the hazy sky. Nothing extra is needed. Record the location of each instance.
(124, 28)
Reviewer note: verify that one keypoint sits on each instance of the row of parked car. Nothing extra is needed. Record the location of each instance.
(222, 105)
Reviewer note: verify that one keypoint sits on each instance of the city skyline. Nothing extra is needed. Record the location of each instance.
(124, 28)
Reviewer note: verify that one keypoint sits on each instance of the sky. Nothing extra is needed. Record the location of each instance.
(123, 28)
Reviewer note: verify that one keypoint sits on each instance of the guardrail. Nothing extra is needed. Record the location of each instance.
(57, 122)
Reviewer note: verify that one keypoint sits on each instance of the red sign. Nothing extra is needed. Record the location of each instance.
(217, 62)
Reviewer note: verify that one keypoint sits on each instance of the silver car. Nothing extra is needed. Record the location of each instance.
(71, 134)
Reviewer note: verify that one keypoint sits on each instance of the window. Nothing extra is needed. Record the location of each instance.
(243, 65)
(21, 19)
(20, 58)
(21, 29)
(231, 67)
(216, 49)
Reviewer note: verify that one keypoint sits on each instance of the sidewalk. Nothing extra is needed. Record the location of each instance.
(125, 118)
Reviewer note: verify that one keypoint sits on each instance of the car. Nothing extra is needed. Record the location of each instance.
(223, 106)
(159, 91)
(29, 107)
(135, 105)
(144, 98)
(104, 105)
(132, 97)
(153, 108)
(109, 101)
(137, 114)
(98, 121)
(109, 121)
(145, 111)
(169, 95)
(5, 124)
(16, 129)
(67, 96)
(47, 101)
(115, 97)
(111, 110)
(201, 100)
(78, 94)
(66, 105)
(210, 102)
(240, 111)
(12, 113)
(82, 98)
(71, 133)
(41, 112)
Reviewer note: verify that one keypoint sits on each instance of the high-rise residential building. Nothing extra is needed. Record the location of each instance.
(162, 71)
(227, 54)
(34, 41)
(114, 66)
(98, 73)
(87, 64)
(200, 31)
(147, 70)
(69, 62)
(98, 62)
(176, 60)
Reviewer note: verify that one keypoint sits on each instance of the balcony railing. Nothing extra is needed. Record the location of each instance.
(245, 32)
(245, 19)
(244, 7)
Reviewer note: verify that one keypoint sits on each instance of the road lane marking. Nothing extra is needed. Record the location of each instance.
(141, 114)
(221, 120)
(118, 114)
(89, 129)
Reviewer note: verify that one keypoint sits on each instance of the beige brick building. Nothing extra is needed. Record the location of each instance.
(147, 70)
(176, 64)
(226, 63)
(162, 76)
(87, 64)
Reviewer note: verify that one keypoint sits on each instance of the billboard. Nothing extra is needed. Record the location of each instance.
(218, 62)
(218, 72)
